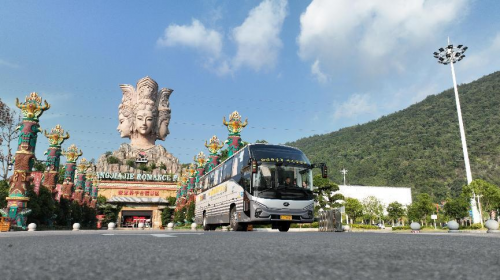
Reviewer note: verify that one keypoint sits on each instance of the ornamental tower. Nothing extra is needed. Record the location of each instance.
(80, 181)
(95, 191)
(72, 154)
(214, 146)
(234, 126)
(88, 187)
(56, 137)
(201, 161)
(32, 109)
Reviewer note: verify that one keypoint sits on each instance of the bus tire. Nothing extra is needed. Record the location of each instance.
(206, 226)
(233, 220)
(284, 227)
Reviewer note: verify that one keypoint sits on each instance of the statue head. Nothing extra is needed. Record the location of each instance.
(144, 114)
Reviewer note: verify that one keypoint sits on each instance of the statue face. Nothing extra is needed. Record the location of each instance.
(144, 121)
(123, 126)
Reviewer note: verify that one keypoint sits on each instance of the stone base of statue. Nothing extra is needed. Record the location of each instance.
(157, 157)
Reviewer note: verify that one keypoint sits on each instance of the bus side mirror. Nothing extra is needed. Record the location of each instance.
(324, 171)
(254, 166)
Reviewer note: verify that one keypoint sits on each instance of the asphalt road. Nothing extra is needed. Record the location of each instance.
(246, 255)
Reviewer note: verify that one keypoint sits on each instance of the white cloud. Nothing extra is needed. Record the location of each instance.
(196, 36)
(481, 62)
(356, 106)
(257, 39)
(372, 32)
(317, 73)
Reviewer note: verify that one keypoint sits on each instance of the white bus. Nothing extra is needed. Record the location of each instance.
(260, 184)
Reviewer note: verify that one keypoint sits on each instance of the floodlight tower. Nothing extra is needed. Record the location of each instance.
(344, 172)
(450, 55)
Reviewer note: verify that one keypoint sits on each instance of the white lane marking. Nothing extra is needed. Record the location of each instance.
(151, 234)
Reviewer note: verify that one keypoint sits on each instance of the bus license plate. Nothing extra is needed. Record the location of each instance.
(286, 217)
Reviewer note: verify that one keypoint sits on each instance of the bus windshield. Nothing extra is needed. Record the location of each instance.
(283, 182)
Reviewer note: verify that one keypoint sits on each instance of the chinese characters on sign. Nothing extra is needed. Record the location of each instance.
(138, 193)
(282, 160)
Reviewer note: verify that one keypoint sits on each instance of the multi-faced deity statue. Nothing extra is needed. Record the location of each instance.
(144, 114)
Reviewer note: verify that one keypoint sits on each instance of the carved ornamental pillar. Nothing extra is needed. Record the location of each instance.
(56, 137)
(31, 109)
(72, 154)
(80, 181)
(234, 126)
(214, 146)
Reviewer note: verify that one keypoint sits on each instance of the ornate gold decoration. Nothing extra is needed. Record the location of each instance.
(72, 153)
(184, 179)
(200, 160)
(234, 125)
(32, 108)
(82, 166)
(56, 136)
(191, 170)
(215, 145)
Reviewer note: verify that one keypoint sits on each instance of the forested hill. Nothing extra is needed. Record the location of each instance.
(420, 146)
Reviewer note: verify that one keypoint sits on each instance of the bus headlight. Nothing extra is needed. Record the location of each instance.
(310, 213)
(258, 211)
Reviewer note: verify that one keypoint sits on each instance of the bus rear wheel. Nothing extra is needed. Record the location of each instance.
(233, 221)
(206, 226)
(284, 227)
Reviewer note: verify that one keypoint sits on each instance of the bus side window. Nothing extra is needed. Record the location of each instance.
(227, 170)
(245, 179)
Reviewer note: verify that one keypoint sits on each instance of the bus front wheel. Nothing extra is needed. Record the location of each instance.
(233, 220)
(284, 227)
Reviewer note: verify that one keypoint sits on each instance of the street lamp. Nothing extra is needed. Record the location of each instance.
(449, 55)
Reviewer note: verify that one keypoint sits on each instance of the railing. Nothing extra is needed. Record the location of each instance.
(330, 221)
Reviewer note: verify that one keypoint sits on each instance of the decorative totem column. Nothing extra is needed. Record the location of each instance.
(88, 187)
(56, 138)
(201, 161)
(24, 160)
(214, 146)
(95, 192)
(234, 126)
(72, 154)
(183, 193)
(191, 182)
(80, 181)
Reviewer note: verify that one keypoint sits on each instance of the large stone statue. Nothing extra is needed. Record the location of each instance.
(143, 117)
(144, 113)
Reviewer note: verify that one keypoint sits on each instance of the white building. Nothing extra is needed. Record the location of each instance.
(386, 195)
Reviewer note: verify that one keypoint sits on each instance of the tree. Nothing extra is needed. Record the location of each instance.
(190, 212)
(372, 208)
(113, 160)
(4, 192)
(457, 208)
(421, 208)
(395, 211)
(353, 208)
(109, 210)
(324, 193)
(9, 121)
(261, 141)
(489, 194)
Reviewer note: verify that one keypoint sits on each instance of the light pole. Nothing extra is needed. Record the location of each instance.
(450, 55)
(344, 172)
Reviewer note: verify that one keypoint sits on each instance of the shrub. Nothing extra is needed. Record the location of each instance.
(401, 228)
(364, 226)
(113, 160)
(130, 162)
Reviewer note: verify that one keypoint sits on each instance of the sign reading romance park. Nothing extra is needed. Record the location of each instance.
(136, 177)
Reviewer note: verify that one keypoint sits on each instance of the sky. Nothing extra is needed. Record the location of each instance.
(293, 68)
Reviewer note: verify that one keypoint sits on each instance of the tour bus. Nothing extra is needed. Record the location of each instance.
(259, 184)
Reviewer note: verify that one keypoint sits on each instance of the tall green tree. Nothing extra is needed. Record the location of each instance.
(353, 208)
(4, 192)
(395, 211)
(372, 208)
(457, 208)
(324, 193)
(422, 208)
(489, 195)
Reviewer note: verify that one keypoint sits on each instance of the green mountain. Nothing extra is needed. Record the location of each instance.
(419, 146)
